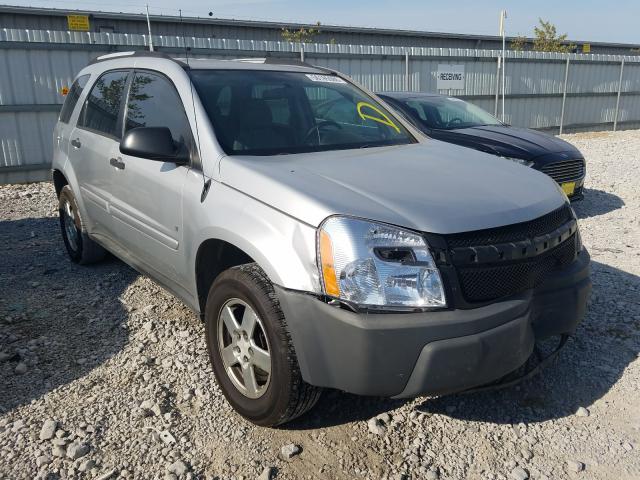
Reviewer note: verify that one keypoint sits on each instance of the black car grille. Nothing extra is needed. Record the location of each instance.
(500, 262)
(491, 282)
(565, 171)
(513, 233)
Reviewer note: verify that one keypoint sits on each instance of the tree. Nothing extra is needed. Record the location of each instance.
(547, 39)
(519, 43)
(304, 35)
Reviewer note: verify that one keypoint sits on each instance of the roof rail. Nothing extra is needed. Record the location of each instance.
(136, 53)
(269, 60)
(248, 60)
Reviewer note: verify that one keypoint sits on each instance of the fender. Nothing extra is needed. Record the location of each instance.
(284, 247)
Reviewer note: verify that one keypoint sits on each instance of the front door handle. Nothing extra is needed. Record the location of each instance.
(76, 143)
(117, 162)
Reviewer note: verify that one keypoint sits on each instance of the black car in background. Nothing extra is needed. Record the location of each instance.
(453, 120)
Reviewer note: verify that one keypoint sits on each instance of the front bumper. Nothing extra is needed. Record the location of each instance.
(579, 192)
(431, 353)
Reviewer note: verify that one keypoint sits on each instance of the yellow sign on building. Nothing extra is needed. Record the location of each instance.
(586, 48)
(78, 22)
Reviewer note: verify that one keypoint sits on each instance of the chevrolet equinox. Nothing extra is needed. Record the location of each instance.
(324, 241)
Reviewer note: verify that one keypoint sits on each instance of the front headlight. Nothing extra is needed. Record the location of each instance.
(374, 264)
(521, 161)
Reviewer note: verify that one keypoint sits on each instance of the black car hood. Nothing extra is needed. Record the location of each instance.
(507, 141)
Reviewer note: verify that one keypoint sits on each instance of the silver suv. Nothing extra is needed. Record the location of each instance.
(323, 241)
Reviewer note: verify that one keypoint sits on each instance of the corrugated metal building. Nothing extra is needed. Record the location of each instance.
(543, 90)
(56, 19)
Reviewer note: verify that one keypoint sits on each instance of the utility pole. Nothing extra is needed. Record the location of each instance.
(503, 16)
(149, 27)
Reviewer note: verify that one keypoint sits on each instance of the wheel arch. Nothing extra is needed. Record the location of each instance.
(213, 257)
(59, 181)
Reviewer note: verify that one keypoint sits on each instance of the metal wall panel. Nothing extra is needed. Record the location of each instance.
(600, 109)
(629, 108)
(631, 77)
(534, 77)
(593, 77)
(32, 76)
(375, 74)
(36, 64)
(26, 138)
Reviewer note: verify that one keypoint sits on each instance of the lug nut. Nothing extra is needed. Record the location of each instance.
(250, 351)
(245, 359)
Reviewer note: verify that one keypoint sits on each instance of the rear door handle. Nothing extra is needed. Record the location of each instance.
(116, 162)
(76, 143)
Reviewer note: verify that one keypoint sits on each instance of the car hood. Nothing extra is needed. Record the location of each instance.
(431, 187)
(508, 141)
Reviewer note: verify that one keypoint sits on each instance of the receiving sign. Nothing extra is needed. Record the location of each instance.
(450, 77)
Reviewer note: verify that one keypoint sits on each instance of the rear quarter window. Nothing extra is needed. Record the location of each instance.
(72, 98)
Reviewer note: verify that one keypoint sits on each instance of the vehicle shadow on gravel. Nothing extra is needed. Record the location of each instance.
(596, 202)
(587, 368)
(337, 408)
(58, 320)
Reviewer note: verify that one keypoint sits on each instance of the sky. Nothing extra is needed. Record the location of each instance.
(584, 20)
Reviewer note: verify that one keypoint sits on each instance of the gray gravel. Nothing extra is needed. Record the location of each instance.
(105, 375)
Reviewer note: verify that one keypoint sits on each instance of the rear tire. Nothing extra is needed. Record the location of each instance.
(277, 396)
(80, 247)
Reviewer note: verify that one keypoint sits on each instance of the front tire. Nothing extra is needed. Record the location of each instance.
(251, 351)
(80, 247)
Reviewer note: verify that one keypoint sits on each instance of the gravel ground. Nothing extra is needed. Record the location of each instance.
(104, 375)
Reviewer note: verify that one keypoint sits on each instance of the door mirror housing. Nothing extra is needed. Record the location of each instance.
(153, 143)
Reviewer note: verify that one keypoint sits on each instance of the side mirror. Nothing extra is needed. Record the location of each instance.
(154, 143)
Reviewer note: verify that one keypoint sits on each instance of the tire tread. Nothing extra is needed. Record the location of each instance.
(91, 252)
(303, 395)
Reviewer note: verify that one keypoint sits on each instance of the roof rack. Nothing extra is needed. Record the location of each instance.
(286, 61)
(269, 60)
(136, 53)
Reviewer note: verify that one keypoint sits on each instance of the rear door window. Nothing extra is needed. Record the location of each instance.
(101, 109)
(72, 98)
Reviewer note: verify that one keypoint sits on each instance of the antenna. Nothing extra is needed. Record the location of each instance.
(503, 17)
(184, 41)
(149, 27)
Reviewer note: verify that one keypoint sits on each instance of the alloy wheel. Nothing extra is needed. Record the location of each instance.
(244, 348)
(70, 228)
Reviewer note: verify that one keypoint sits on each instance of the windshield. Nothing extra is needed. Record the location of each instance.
(269, 113)
(446, 113)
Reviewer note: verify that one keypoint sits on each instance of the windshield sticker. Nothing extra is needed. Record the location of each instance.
(325, 78)
(383, 119)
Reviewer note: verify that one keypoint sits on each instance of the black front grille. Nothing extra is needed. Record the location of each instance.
(484, 277)
(488, 283)
(565, 171)
(512, 233)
